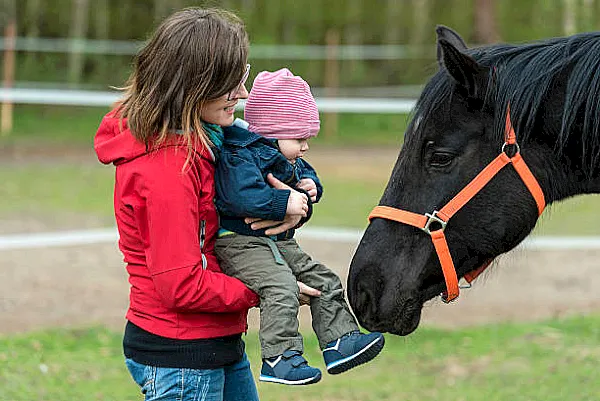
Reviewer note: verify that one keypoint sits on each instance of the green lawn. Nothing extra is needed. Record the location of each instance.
(555, 360)
(54, 126)
(59, 125)
(67, 189)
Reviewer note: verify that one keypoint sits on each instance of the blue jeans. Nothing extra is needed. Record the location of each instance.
(231, 383)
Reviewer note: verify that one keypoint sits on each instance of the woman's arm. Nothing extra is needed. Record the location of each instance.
(169, 224)
(277, 227)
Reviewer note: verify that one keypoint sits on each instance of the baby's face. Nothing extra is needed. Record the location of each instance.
(293, 148)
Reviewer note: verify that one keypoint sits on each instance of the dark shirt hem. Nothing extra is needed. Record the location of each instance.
(153, 350)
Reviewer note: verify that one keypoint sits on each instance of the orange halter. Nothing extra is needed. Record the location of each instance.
(442, 216)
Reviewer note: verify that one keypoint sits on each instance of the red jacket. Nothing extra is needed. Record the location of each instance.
(167, 225)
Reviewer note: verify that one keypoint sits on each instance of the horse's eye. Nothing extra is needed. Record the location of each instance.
(441, 159)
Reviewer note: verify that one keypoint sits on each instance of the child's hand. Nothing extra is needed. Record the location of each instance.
(297, 204)
(309, 186)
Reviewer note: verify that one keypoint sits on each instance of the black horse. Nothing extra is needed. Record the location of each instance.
(553, 90)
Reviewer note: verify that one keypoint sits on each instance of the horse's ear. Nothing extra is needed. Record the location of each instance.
(462, 67)
(451, 36)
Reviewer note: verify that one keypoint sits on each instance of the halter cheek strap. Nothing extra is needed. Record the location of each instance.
(435, 223)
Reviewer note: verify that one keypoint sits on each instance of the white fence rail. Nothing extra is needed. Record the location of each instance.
(110, 235)
(98, 98)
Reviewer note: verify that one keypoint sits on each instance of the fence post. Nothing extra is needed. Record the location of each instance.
(332, 80)
(10, 33)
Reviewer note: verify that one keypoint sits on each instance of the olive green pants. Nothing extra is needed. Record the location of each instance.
(271, 268)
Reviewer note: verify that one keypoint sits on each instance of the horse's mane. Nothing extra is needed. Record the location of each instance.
(523, 75)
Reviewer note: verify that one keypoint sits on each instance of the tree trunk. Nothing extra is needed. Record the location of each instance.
(588, 15)
(418, 34)
(78, 32)
(352, 29)
(226, 5)
(569, 17)
(33, 11)
(164, 8)
(421, 22)
(160, 10)
(34, 16)
(248, 6)
(8, 23)
(486, 30)
(288, 21)
(352, 36)
(393, 32)
(544, 11)
(101, 32)
(315, 36)
(102, 20)
(332, 80)
(8, 12)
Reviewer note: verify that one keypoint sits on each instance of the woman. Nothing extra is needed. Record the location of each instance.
(185, 318)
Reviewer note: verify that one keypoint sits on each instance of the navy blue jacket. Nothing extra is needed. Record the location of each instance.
(241, 181)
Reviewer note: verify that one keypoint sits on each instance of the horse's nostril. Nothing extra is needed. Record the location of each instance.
(367, 303)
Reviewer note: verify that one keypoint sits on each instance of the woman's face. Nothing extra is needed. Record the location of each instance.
(220, 111)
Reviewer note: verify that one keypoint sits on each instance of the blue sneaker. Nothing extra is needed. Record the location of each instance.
(351, 350)
(289, 368)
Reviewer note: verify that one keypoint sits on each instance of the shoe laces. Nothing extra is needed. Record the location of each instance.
(352, 334)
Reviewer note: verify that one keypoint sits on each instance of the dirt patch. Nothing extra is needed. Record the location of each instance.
(83, 285)
(19, 153)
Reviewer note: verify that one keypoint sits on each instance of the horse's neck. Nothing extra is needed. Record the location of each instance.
(594, 186)
(565, 174)
(571, 172)
(562, 176)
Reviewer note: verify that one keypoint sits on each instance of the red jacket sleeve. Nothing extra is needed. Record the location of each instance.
(169, 221)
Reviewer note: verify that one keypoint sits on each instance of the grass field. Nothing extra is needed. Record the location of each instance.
(57, 126)
(555, 360)
(65, 189)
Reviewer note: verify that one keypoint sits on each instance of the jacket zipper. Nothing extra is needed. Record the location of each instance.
(202, 238)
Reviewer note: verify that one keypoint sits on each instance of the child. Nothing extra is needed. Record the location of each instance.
(281, 116)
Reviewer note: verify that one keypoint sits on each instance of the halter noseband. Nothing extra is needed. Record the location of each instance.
(440, 218)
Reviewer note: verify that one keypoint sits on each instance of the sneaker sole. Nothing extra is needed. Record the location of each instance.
(363, 356)
(271, 379)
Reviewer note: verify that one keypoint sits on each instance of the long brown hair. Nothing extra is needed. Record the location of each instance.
(195, 55)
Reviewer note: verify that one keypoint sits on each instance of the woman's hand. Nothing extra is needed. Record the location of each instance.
(309, 186)
(306, 292)
(277, 227)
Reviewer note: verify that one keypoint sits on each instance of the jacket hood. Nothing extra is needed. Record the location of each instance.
(114, 142)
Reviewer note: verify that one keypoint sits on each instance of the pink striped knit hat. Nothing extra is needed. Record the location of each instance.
(280, 106)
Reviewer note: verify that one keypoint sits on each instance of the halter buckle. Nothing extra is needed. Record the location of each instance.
(444, 298)
(432, 218)
(516, 146)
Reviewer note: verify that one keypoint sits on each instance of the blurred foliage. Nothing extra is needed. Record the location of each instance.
(301, 22)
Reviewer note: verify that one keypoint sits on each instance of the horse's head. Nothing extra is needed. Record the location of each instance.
(451, 138)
